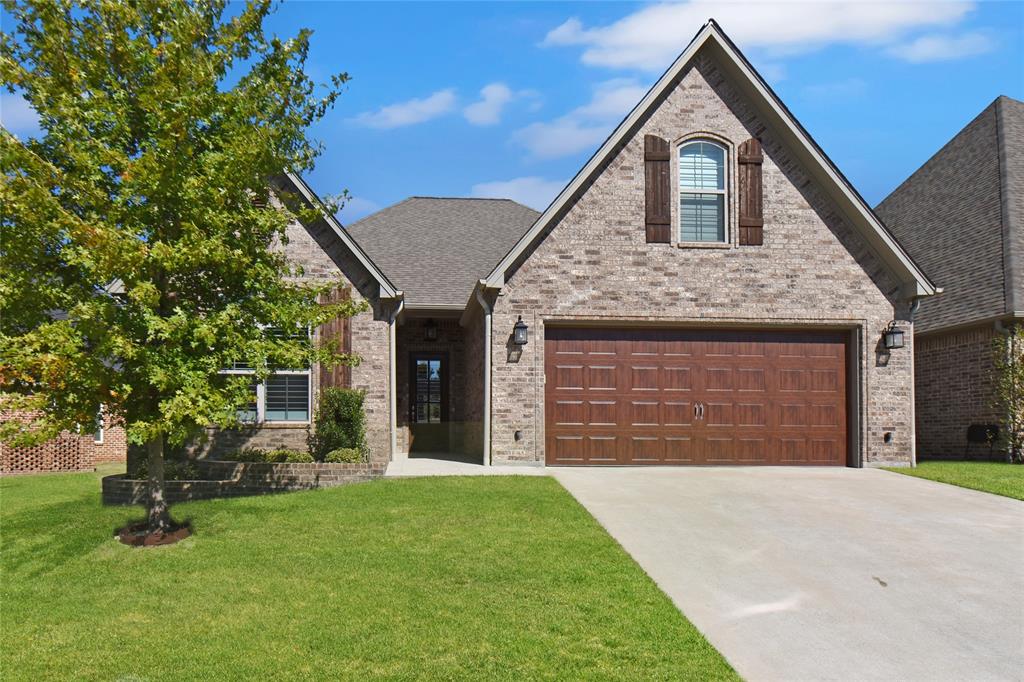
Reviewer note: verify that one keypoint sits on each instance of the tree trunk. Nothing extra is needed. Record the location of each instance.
(159, 516)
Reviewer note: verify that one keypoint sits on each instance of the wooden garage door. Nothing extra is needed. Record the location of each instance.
(643, 396)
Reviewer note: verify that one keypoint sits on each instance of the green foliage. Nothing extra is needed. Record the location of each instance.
(291, 456)
(344, 455)
(275, 456)
(246, 455)
(134, 213)
(174, 470)
(1008, 360)
(340, 422)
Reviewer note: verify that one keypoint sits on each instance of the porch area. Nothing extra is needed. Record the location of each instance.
(439, 396)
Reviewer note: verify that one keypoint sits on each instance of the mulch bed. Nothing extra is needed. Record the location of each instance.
(138, 535)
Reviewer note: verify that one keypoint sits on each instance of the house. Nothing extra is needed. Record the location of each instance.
(961, 216)
(70, 451)
(708, 289)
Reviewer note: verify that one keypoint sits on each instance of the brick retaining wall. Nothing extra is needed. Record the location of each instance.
(237, 479)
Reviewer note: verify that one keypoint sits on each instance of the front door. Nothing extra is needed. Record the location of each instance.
(428, 403)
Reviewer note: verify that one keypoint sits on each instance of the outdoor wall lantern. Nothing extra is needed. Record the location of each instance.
(520, 332)
(430, 330)
(892, 337)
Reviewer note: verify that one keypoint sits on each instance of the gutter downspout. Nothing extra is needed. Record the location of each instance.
(1011, 359)
(487, 374)
(393, 375)
(914, 305)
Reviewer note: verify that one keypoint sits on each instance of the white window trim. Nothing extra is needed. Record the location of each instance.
(261, 393)
(726, 240)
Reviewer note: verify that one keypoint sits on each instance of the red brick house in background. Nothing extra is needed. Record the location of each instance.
(68, 452)
(961, 216)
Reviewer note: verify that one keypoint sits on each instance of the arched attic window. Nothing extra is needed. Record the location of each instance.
(702, 193)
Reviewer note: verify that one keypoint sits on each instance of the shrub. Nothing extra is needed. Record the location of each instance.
(340, 422)
(290, 456)
(344, 455)
(174, 470)
(246, 455)
(275, 456)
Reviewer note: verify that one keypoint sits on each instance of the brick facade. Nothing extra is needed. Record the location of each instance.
(323, 258)
(954, 372)
(595, 265)
(68, 452)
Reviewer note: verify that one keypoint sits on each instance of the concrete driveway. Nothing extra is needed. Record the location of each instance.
(814, 574)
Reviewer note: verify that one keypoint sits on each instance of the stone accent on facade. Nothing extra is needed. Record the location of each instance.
(955, 388)
(594, 265)
(238, 479)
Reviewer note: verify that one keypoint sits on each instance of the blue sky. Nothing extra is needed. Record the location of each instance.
(510, 99)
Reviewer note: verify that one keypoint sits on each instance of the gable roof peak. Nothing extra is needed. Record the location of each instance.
(783, 124)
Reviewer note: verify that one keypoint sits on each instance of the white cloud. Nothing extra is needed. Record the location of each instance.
(532, 191)
(357, 207)
(487, 111)
(651, 37)
(585, 126)
(409, 112)
(17, 115)
(937, 48)
(494, 97)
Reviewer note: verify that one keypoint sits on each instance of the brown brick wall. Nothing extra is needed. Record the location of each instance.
(594, 264)
(954, 388)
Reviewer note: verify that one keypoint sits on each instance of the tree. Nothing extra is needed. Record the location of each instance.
(162, 124)
(1009, 389)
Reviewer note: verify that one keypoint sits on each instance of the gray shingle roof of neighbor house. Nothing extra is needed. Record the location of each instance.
(961, 216)
(436, 249)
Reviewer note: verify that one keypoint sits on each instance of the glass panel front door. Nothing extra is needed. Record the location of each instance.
(428, 394)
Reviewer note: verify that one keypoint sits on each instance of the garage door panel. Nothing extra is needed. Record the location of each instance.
(680, 449)
(633, 396)
(647, 449)
(644, 378)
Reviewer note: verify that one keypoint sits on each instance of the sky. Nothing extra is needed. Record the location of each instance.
(509, 99)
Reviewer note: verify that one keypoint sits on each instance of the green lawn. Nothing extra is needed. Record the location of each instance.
(999, 478)
(490, 577)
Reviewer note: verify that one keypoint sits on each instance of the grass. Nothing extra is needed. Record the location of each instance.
(998, 478)
(470, 578)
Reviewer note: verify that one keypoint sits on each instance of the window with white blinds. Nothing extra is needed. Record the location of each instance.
(283, 397)
(702, 194)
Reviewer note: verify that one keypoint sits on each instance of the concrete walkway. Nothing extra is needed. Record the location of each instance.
(827, 574)
(442, 465)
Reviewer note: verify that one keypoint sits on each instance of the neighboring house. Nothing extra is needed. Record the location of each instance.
(68, 452)
(708, 289)
(961, 216)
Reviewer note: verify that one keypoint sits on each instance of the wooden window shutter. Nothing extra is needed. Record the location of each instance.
(751, 198)
(339, 328)
(657, 190)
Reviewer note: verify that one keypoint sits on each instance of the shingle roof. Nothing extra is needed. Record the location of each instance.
(960, 215)
(435, 249)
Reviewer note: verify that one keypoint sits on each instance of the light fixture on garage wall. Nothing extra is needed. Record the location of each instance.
(892, 337)
(430, 330)
(520, 332)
